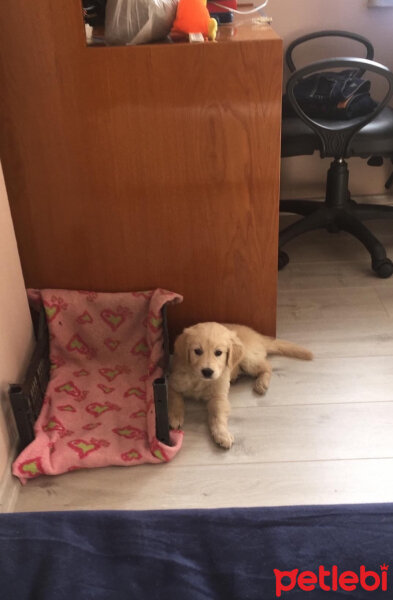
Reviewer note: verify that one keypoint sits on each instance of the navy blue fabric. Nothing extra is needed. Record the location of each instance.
(189, 554)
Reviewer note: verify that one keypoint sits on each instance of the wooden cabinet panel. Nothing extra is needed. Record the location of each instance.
(139, 167)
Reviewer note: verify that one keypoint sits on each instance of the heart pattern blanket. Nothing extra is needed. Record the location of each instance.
(105, 352)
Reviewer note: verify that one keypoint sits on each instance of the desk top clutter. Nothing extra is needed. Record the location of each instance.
(105, 352)
(132, 22)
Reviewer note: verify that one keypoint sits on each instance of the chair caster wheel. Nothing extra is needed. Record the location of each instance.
(383, 268)
(283, 259)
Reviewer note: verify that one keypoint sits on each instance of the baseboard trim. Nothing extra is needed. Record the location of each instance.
(384, 198)
(9, 486)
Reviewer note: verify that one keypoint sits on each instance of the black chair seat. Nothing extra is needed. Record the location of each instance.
(297, 139)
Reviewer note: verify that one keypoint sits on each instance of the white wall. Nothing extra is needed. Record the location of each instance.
(304, 176)
(16, 337)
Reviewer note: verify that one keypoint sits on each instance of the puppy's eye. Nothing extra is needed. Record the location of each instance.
(218, 353)
(198, 351)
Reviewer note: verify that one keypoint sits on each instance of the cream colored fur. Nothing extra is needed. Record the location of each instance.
(222, 352)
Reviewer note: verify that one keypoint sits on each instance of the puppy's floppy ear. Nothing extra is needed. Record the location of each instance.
(181, 348)
(235, 351)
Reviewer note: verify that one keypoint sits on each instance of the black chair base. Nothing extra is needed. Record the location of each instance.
(338, 213)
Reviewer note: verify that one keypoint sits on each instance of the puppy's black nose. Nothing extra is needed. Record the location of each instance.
(207, 373)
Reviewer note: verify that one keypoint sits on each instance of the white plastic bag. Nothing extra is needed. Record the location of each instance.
(138, 21)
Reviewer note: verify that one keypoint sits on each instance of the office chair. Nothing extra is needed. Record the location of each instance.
(370, 135)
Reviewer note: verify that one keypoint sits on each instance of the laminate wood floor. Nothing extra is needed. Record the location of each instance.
(323, 433)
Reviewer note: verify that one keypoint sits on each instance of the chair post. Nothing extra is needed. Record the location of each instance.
(337, 184)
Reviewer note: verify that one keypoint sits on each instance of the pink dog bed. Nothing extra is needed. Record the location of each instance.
(105, 351)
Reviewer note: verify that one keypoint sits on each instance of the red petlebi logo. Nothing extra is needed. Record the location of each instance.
(332, 580)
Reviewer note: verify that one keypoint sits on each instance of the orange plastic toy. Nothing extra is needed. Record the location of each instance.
(193, 17)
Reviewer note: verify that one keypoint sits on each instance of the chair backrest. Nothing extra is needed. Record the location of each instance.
(335, 136)
(327, 33)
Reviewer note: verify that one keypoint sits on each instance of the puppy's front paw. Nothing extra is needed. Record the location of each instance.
(176, 420)
(223, 438)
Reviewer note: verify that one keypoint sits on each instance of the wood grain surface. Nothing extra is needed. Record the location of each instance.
(139, 167)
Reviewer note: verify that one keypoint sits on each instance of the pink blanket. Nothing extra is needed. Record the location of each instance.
(105, 351)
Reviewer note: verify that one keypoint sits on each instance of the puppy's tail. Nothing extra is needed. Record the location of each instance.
(284, 348)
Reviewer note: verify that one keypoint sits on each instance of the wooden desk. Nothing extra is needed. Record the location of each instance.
(140, 167)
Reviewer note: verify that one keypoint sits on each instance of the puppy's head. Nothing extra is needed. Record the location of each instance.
(209, 349)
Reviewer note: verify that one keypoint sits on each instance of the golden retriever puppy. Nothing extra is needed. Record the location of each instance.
(207, 357)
